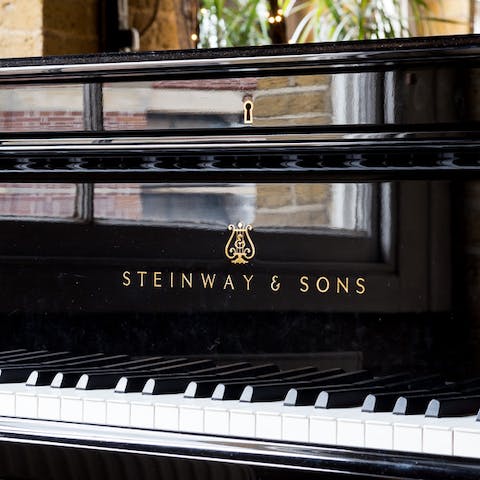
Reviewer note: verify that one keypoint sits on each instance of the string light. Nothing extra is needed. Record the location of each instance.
(194, 37)
(278, 18)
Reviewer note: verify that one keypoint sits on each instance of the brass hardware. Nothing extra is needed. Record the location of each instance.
(248, 111)
(240, 248)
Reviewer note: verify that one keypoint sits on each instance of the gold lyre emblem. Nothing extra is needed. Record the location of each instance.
(240, 248)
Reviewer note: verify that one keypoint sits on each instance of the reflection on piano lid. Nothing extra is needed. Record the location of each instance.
(190, 290)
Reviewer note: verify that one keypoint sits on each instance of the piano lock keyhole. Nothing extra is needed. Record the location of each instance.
(248, 111)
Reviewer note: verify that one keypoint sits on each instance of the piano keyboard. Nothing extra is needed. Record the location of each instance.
(399, 412)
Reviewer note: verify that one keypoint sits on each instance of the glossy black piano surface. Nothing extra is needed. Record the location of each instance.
(302, 206)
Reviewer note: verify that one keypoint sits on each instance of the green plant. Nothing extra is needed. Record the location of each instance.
(322, 20)
(246, 22)
(233, 23)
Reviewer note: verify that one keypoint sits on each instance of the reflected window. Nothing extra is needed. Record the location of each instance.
(38, 200)
(217, 103)
(41, 108)
(313, 206)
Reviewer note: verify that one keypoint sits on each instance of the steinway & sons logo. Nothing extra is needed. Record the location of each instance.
(239, 250)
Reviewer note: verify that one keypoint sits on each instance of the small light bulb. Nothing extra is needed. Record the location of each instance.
(278, 18)
(279, 11)
(194, 37)
(203, 11)
(271, 19)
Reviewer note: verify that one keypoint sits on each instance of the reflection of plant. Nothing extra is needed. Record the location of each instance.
(246, 22)
(353, 19)
(233, 23)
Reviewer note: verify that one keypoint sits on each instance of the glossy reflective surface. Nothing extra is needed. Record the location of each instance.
(359, 272)
(279, 206)
(41, 108)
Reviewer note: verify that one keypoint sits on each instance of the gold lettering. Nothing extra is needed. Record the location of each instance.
(228, 282)
(275, 284)
(208, 280)
(341, 284)
(248, 280)
(157, 279)
(360, 286)
(305, 287)
(187, 279)
(126, 278)
(327, 284)
(142, 276)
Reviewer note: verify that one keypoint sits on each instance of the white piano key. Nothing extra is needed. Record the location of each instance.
(95, 405)
(26, 401)
(269, 425)
(326, 429)
(166, 411)
(242, 423)
(216, 420)
(7, 398)
(71, 405)
(256, 420)
(49, 406)
(142, 414)
(296, 424)
(217, 416)
(466, 439)
(438, 433)
(323, 429)
(408, 433)
(192, 413)
(118, 411)
(379, 430)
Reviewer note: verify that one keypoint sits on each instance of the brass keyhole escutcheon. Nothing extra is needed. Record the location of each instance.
(248, 111)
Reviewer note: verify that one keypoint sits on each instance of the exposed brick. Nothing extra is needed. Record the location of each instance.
(291, 104)
(273, 196)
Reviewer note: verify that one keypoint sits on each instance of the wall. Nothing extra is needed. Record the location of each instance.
(60, 27)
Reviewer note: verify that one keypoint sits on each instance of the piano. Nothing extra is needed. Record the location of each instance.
(255, 263)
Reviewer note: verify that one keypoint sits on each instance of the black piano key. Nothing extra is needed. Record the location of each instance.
(458, 406)
(294, 372)
(416, 383)
(74, 359)
(142, 363)
(45, 373)
(278, 391)
(308, 395)
(417, 404)
(69, 378)
(173, 383)
(19, 373)
(385, 401)
(205, 388)
(302, 394)
(9, 353)
(102, 361)
(233, 390)
(19, 357)
(109, 380)
(307, 376)
(345, 398)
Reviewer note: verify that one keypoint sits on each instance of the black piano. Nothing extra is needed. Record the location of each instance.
(256, 263)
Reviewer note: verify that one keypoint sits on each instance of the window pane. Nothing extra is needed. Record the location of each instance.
(322, 206)
(41, 108)
(37, 200)
(217, 103)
